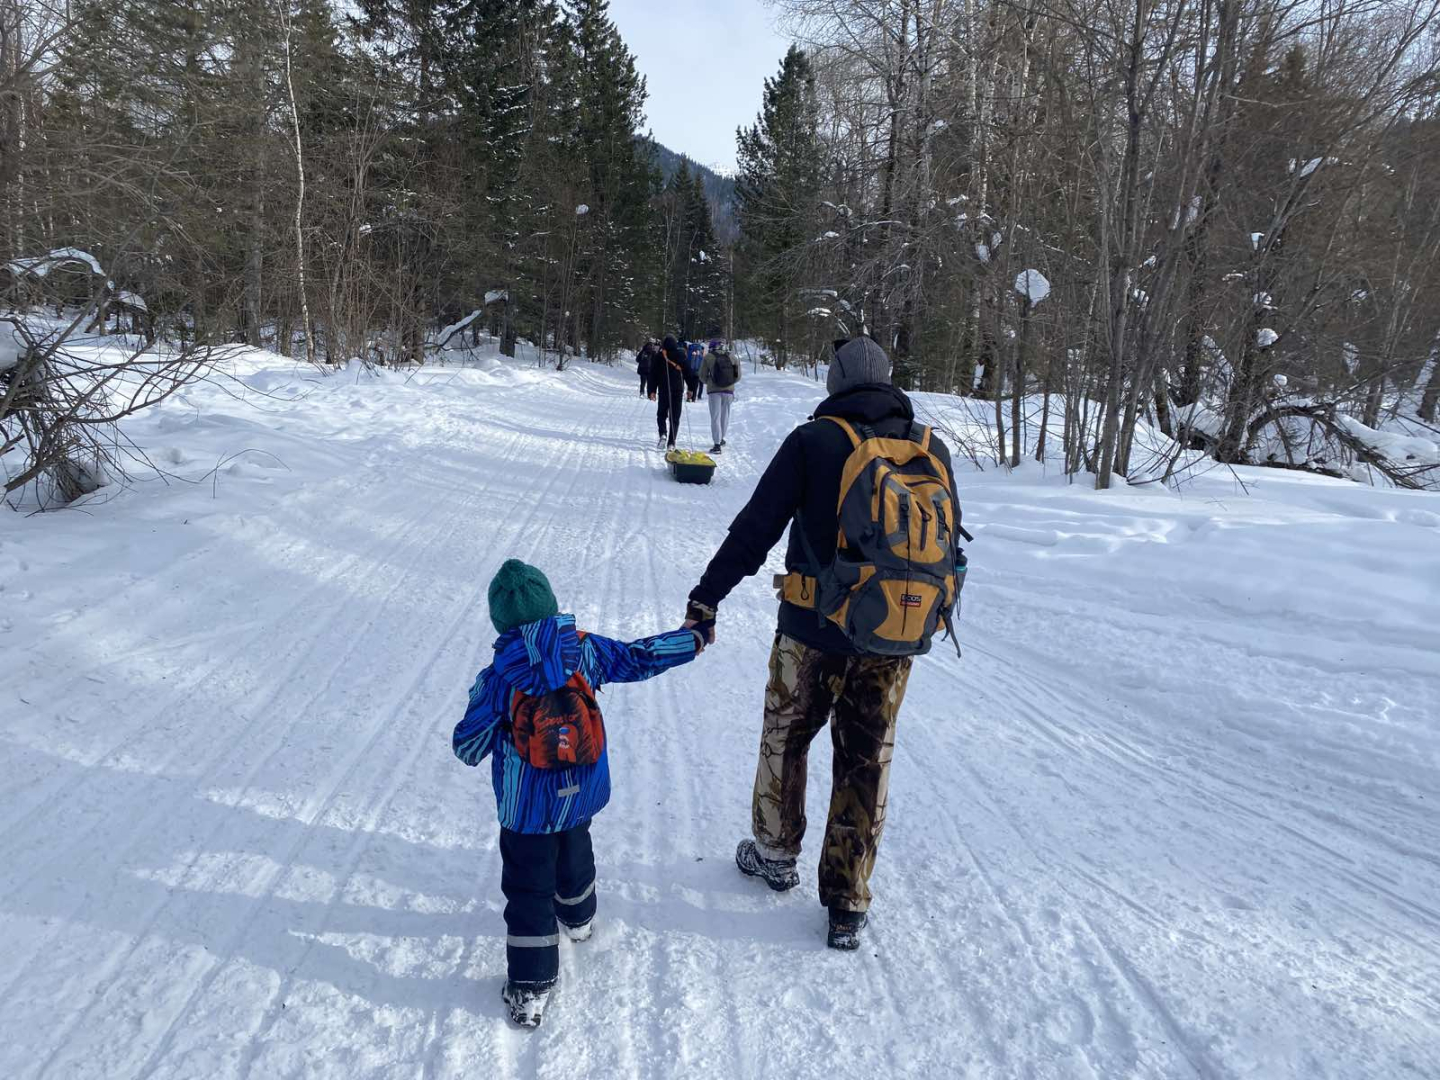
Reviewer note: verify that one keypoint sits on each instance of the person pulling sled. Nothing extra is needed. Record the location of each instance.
(668, 385)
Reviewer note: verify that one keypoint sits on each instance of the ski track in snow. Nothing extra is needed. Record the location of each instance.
(1175, 814)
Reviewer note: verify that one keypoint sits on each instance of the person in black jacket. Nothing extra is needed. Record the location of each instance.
(669, 384)
(643, 361)
(817, 675)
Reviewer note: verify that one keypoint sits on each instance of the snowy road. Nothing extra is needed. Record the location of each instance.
(1176, 814)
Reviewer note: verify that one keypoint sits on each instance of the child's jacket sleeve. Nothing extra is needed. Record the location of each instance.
(475, 734)
(636, 661)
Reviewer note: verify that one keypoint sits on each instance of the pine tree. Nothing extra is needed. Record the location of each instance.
(778, 161)
(619, 181)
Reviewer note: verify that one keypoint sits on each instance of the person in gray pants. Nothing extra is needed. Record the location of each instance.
(719, 374)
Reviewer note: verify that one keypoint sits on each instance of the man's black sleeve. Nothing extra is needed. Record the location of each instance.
(758, 527)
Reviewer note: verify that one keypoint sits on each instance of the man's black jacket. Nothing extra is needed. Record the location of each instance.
(669, 379)
(804, 476)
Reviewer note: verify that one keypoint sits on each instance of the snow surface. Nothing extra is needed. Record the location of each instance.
(1265, 337)
(42, 265)
(459, 326)
(1175, 814)
(1033, 285)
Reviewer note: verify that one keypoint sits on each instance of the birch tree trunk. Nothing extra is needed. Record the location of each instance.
(299, 189)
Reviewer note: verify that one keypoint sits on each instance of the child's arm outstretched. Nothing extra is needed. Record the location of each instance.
(636, 661)
(475, 735)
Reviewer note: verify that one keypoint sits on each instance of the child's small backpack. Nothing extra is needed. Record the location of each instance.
(560, 728)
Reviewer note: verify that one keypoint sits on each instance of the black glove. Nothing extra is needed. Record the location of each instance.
(701, 619)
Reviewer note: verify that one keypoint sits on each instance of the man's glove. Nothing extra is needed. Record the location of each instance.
(701, 619)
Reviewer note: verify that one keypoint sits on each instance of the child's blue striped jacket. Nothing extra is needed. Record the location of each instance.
(533, 659)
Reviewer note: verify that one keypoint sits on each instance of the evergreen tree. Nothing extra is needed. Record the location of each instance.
(778, 161)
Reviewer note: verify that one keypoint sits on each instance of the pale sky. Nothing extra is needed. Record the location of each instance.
(705, 63)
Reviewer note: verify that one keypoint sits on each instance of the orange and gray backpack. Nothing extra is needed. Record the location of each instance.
(560, 728)
(898, 566)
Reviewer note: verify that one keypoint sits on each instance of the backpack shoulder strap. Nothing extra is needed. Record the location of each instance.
(846, 427)
(921, 434)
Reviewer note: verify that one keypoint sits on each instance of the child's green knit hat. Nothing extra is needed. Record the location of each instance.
(520, 594)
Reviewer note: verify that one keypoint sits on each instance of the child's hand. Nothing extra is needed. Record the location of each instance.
(700, 620)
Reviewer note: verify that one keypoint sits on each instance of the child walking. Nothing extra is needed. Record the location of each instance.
(534, 711)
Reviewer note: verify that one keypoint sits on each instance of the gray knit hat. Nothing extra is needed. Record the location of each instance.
(857, 362)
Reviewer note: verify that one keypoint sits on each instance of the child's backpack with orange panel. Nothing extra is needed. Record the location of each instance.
(559, 728)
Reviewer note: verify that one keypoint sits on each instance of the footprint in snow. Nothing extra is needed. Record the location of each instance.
(1070, 1023)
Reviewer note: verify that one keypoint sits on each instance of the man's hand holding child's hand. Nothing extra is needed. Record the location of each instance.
(700, 620)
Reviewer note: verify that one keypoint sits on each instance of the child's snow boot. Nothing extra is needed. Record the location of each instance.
(581, 932)
(527, 1003)
(779, 874)
(845, 927)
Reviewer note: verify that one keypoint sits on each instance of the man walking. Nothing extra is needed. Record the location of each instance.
(719, 374)
(668, 383)
(643, 360)
(694, 357)
(847, 667)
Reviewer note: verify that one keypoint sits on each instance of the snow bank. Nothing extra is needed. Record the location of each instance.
(1032, 285)
(42, 265)
(1391, 445)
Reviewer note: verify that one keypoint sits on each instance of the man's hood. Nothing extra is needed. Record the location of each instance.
(869, 404)
(539, 656)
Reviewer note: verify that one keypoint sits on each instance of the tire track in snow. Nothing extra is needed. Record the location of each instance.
(394, 780)
(146, 727)
(141, 831)
(516, 1052)
(144, 831)
(115, 967)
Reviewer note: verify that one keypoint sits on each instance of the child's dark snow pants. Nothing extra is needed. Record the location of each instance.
(544, 877)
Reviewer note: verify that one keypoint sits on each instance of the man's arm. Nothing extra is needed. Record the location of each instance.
(758, 527)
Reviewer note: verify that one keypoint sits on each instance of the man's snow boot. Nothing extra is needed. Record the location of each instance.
(581, 932)
(845, 927)
(716, 448)
(779, 874)
(660, 443)
(527, 1003)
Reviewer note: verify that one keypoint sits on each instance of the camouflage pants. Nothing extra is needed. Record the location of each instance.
(860, 697)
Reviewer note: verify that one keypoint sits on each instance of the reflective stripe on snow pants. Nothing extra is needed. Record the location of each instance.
(537, 873)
